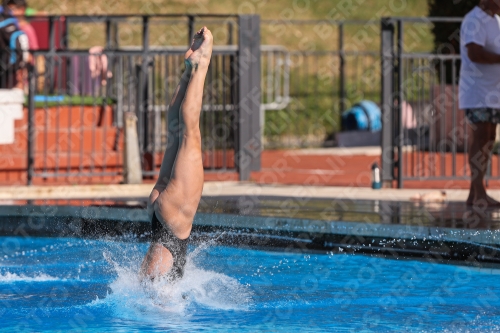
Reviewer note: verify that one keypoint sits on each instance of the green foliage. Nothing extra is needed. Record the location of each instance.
(446, 34)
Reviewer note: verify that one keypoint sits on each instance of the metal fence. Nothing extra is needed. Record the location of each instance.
(74, 129)
(425, 135)
(328, 70)
(309, 73)
(311, 70)
(76, 116)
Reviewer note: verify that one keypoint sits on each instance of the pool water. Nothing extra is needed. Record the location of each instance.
(59, 284)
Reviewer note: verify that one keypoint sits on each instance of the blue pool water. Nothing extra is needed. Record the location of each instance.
(61, 284)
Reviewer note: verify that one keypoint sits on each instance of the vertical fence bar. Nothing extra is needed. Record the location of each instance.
(31, 125)
(81, 74)
(190, 28)
(233, 101)
(64, 24)
(52, 34)
(211, 114)
(410, 89)
(443, 140)
(400, 99)
(52, 49)
(225, 126)
(104, 113)
(70, 127)
(342, 95)
(230, 33)
(150, 111)
(114, 33)
(269, 76)
(142, 92)
(316, 111)
(57, 88)
(93, 123)
(298, 107)
(119, 93)
(387, 68)
(65, 44)
(46, 91)
(454, 121)
(420, 96)
(249, 147)
(433, 129)
(157, 86)
(108, 33)
(167, 93)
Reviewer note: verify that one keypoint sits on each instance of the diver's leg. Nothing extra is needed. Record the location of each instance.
(173, 131)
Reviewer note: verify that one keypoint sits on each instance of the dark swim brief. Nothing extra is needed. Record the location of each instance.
(479, 115)
(176, 246)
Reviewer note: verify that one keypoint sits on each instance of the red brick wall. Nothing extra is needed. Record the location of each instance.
(68, 139)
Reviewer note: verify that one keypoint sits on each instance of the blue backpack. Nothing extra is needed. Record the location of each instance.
(13, 49)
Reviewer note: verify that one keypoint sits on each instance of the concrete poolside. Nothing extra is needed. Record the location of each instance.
(225, 189)
(442, 233)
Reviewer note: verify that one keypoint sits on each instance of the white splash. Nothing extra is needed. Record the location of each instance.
(131, 298)
(40, 277)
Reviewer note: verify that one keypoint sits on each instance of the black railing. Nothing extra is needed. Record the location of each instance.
(329, 67)
(76, 116)
(348, 68)
(306, 84)
(425, 134)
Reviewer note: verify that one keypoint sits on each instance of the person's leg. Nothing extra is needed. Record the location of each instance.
(481, 147)
(175, 198)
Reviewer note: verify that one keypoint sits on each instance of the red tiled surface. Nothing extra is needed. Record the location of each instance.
(290, 167)
(67, 139)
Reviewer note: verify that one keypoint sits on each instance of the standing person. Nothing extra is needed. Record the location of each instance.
(177, 193)
(479, 91)
(13, 51)
(18, 9)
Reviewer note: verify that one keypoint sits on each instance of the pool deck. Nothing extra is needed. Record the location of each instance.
(223, 189)
(394, 229)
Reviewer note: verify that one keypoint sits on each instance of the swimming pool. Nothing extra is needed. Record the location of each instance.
(54, 284)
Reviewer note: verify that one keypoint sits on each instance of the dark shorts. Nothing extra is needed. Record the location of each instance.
(176, 246)
(483, 115)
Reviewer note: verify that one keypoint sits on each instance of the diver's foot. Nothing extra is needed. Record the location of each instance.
(198, 55)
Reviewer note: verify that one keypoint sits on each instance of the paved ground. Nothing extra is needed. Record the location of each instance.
(223, 189)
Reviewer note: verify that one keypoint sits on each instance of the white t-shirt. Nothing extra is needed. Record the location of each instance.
(479, 84)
